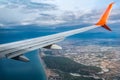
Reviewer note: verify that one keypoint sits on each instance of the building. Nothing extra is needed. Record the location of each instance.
(54, 77)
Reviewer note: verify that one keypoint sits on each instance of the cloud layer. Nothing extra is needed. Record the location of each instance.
(48, 13)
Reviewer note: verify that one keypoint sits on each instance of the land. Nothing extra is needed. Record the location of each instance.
(106, 58)
(67, 69)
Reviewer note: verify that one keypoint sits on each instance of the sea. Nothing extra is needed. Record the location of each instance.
(17, 70)
(34, 70)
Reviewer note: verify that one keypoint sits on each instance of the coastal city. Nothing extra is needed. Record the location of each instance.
(105, 57)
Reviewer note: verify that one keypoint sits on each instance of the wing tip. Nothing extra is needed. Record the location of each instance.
(102, 21)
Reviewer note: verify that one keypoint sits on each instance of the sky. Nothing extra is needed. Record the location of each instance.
(55, 12)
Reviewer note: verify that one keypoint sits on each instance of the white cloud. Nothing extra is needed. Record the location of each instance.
(51, 12)
(16, 15)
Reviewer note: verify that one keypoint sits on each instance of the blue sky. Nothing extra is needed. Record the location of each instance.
(55, 12)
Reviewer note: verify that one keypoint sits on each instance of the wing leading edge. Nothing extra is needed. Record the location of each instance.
(15, 50)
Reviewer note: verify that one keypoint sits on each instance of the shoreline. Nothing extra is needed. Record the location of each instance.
(43, 64)
(48, 72)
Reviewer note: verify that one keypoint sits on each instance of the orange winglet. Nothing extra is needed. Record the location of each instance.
(104, 18)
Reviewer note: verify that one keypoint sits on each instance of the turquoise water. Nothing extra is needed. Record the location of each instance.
(17, 70)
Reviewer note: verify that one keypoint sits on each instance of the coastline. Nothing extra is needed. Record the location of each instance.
(43, 64)
(48, 72)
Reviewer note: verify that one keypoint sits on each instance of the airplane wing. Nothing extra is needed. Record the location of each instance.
(15, 50)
